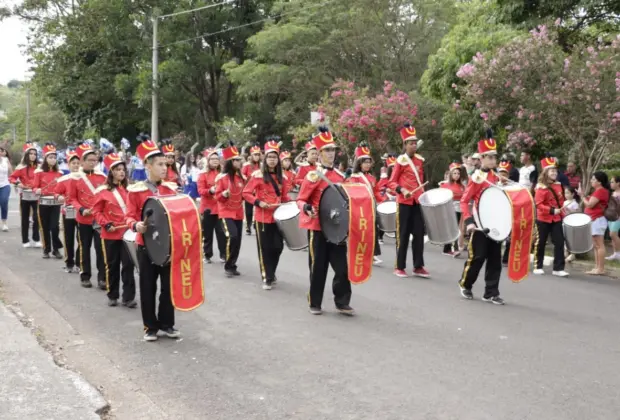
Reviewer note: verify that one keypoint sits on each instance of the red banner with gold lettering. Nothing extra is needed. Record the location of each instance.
(523, 219)
(186, 276)
(361, 247)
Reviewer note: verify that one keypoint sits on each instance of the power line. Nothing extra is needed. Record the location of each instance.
(247, 24)
(195, 10)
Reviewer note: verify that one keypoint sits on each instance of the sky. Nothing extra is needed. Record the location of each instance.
(13, 63)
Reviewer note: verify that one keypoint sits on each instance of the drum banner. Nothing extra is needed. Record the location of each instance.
(524, 215)
(186, 276)
(361, 238)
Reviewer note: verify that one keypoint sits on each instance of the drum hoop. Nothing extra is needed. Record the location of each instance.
(438, 204)
(288, 204)
(580, 215)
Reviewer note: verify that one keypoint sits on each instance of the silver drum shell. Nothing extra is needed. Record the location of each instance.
(295, 237)
(440, 216)
(578, 233)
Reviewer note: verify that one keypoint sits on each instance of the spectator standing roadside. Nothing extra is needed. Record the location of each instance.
(5, 186)
(571, 173)
(528, 174)
(595, 206)
(614, 227)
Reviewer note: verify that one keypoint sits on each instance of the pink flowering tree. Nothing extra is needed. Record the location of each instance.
(549, 101)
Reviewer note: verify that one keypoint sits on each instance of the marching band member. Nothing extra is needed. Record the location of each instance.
(266, 189)
(407, 180)
(209, 206)
(229, 195)
(549, 198)
(386, 172)
(172, 172)
(303, 168)
(45, 179)
(503, 170)
(454, 184)
(247, 170)
(82, 198)
(23, 177)
(62, 190)
(138, 193)
(322, 254)
(287, 166)
(481, 248)
(361, 174)
(110, 211)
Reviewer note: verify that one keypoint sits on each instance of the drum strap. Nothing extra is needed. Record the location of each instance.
(413, 168)
(274, 184)
(88, 183)
(119, 200)
(152, 187)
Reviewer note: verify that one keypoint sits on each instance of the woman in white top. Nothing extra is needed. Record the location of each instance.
(5, 186)
(189, 174)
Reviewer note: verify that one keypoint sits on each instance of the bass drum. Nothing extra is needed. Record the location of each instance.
(440, 216)
(334, 214)
(287, 219)
(494, 212)
(578, 233)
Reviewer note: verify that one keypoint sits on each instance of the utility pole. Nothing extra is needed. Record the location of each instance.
(27, 114)
(154, 106)
(14, 134)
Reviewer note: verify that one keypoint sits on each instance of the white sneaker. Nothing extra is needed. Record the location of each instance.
(377, 261)
(27, 245)
(560, 273)
(613, 257)
(539, 271)
(381, 242)
(5, 228)
(38, 244)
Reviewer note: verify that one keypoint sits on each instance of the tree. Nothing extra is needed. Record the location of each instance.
(549, 100)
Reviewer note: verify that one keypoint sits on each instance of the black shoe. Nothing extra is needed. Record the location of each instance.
(150, 336)
(248, 232)
(112, 302)
(130, 304)
(87, 284)
(467, 294)
(275, 280)
(236, 272)
(57, 255)
(172, 332)
(496, 300)
(102, 285)
(68, 270)
(346, 310)
(229, 273)
(46, 255)
(315, 311)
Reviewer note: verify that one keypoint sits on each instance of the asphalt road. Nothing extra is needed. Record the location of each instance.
(415, 350)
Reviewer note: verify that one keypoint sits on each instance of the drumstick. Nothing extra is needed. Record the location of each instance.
(149, 213)
(418, 188)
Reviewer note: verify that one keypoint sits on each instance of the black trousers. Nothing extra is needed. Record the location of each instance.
(482, 249)
(72, 254)
(249, 216)
(321, 255)
(506, 251)
(455, 246)
(24, 208)
(49, 220)
(209, 226)
(86, 236)
(149, 273)
(409, 221)
(115, 253)
(270, 246)
(233, 230)
(377, 237)
(557, 237)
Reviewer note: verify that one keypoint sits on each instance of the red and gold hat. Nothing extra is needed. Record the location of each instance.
(488, 146)
(271, 146)
(210, 151)
(362, 152)
(111, 160)
(71, 154)
(390, 161)
(505, 166)
(83, 150)
(548, 162)
(168, 148)
(455, 165)
(29, 146)
(309, 146)
(408, 133)
(256, 149)
(324, 139)
(285, 155)
(49, 149)
(146, 149)
(231, 152)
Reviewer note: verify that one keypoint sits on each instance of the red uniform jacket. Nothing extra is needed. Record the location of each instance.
(456, 187)
(230, 207)
(24, 174)
(404, 177)
(370, 182)
(257, 191)
(81, 196)
(63, 188)
(290, 175)
(172, 176)
(46, 181)
(478, 183)
(302, 172)
(310, 193)
(109, 212)
(546, 202)
(136, 197)
(248, 169)
(206, 181)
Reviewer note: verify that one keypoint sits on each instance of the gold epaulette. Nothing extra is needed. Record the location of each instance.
(38, 171)
(402, 159)
(20, 166)
(64, 178)
(138, 187)
(246, 163)
(479, 176)
(219, 176)
(257, 174)
(101, 187)
(312, 176)
(419, 157)
(303, 164)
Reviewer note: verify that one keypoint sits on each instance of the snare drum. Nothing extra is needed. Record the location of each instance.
(69, 212)
(29, 195)
(97, 227)
(129, 239)
(439, 216)
(287, 219)
(578, 233)
(48, 200)
(386, 216)
(494, 212)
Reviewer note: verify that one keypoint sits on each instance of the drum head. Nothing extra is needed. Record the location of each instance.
(436, 197)
(495, 213)
(286, 211)
(577, 219)
(334, 214)
(157, 236)
(387, 207)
